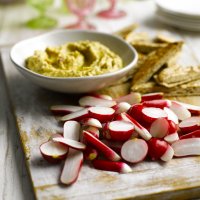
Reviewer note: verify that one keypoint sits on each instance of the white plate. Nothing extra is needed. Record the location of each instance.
(23, 49)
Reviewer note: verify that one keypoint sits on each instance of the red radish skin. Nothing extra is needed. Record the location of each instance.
(91, 122)
(101, 147)
(118, 130)
(93, 130)
(64, 109)
(171, 115)
(194, 134)
(71, 129)
(152, 96)
(91, 101)
(131, 98)
(181, 112)
(90, 153)
(70, 143)
(159, 103)
(53, 152)
(105, 165)
(122, 107)
(114, 145)
(103, 114)
(190, 124)
(134, 150)
(168, 155)
(186, 147)
(173, 128)
(171, 138)
(77, 116)
(135, 112)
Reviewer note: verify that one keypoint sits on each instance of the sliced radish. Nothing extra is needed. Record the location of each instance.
(150, 114)
(120, 167)
(152, 96)
(55, 135)
(171, 138)
(134, 150)
(171, 115)
(93, 130)
(77, 116)
(88, 101)
(71, 167)
(131, 98)
(101, 96)
(70, 143)
(194, 134)
(190, 124)
(90, 153)
(108, 152)
(53, 152)
(187, 147)
(64, 109)
(159, 128)
(135, 112)
(72, 130)
(158, 103)
(103, 114)
(114, 145)
(91, 122)
(118, 130)
(181, 112)
(168, 155)
(122, 107)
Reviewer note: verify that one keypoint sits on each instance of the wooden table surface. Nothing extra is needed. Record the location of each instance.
(14, 181)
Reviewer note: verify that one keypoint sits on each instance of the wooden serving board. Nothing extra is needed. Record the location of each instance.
(178, 179)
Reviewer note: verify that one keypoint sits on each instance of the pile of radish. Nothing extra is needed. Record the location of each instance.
(115, 133)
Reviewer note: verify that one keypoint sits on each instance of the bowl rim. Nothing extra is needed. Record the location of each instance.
(109, 74)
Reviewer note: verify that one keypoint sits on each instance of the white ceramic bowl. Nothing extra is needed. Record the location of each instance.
(26, 48)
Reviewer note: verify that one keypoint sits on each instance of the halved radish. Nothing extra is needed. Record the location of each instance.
(101, 96)
(152, 96)
(132, 98)
(72, 130)
(106, 165)
(134, 150)
(118, 130)
(168, 155)
(122, 107)
(53, 152)
(187, 147)
(77, 116)
(181, 112)
(70, 143)
(150, 114)
(135, 112)
(171, 138)
(190, 124)
(90, 153)
(158, 103)
(71, 167)
(194, 134)
(114, 145)
(107, 152)
(55, 135)
(91, 122)
(93, 130)
(64, 109)
(171, 115)
(88, 101)
(103, 114)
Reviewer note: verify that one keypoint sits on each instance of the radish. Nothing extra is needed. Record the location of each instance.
(53, 152)
(132, 98)
(114, 145)
(70, 143)
(150, 114)
(134, 150)
(90, 153)
(168, 155)
(55, 135)
(89, 101)
(158, 103)
(103, 114)
(77, 116)
(152, 96)
(64, 109)
(91, 122)
(101, 96)
(122, 107)
(120, 167)
(194, 134)
(108, 152)
(93, 130)
(181, 112)
(171, 115)
(187, 147)
(118, 130)
(190, 124)
(135, 112)
(171, 138)
(71, 129)
(72, 166)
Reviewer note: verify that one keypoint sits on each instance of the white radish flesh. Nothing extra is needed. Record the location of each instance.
(72, 129)
(91, 122)
(171, 138)
(168, 155)
(159, 103)
(134, 150)
(187, 147)
(171, 115)
(131, 98)
(93, 130)
(122, 107)
(64, 109)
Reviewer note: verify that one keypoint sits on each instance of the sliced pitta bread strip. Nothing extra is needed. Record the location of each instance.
(134, 37)
(171, 77)
(161, 38)
(126, 30)
(154, 62)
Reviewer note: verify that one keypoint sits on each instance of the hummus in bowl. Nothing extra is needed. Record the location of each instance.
(73, 61)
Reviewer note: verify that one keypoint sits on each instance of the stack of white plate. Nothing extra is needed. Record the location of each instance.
(183, 14)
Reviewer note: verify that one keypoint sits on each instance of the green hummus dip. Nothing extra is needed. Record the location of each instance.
(76, 59)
